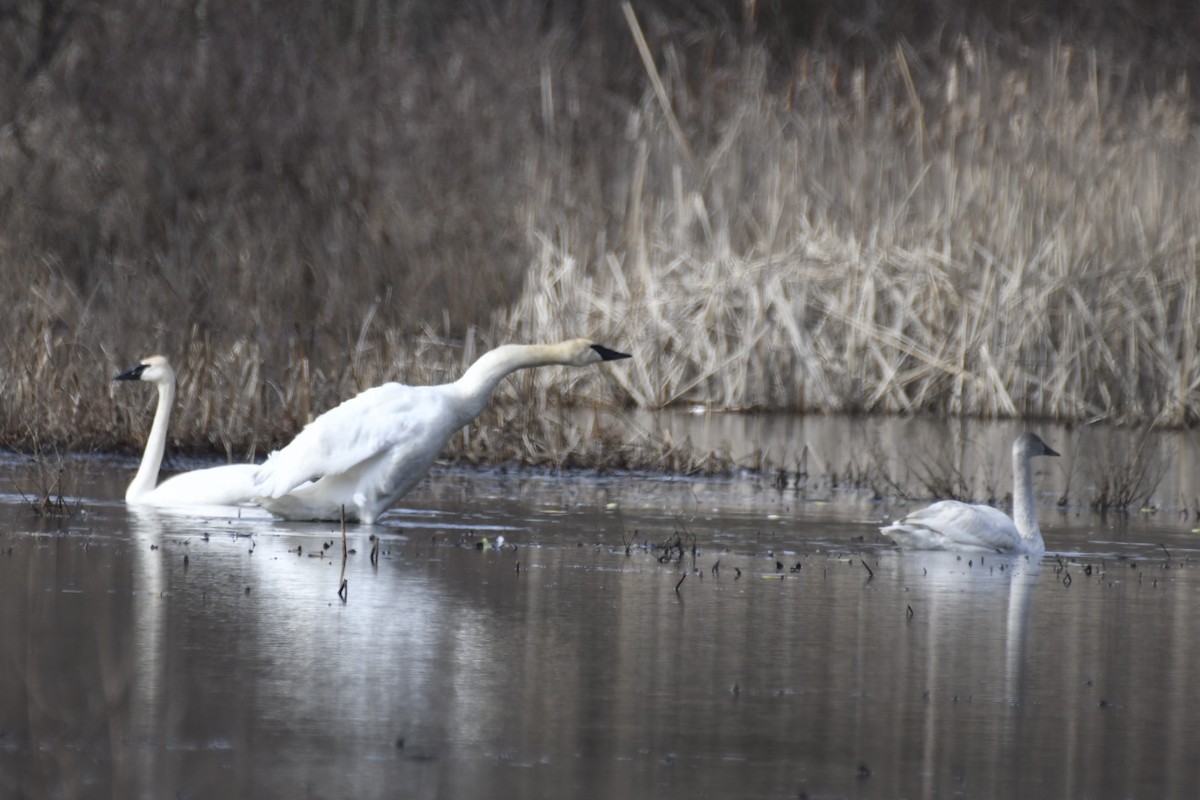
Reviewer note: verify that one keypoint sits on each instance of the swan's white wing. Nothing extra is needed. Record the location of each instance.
(391, 417)
(951, 525)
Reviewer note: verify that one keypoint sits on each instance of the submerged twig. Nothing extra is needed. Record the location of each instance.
(625, 540)
(343, 591)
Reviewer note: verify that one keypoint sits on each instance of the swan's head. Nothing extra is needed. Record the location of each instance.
(1030, 444)
(153, 369)
(581, 352)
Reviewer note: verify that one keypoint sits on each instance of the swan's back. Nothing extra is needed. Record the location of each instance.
(225, 485)
(390, 418)
(951, 525)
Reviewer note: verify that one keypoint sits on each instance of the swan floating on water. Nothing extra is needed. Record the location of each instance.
(364, 454)
(951, 525)
(228, 484)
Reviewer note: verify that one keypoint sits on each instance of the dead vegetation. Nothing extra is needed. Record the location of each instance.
(299, 202)
(1128, 472)
(43, 482)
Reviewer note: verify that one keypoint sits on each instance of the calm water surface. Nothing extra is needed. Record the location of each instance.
(148, 655)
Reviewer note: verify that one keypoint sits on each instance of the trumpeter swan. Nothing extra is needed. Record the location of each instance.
(225, 485)
(364, 454)
(951, 525)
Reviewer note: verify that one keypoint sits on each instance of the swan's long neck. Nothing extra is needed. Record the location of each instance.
(147, 474)
(1024, 506)
(481, 378)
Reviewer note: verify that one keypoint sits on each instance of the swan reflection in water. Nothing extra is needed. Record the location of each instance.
(970, 622)
(253, 622)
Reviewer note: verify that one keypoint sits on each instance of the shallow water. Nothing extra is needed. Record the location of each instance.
(154, 655)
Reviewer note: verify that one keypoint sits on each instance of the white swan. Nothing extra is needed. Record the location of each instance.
(225, 485)
(364, 454)
(951, 525)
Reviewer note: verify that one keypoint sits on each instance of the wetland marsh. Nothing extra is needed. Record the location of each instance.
(149, 654)
(955, 209)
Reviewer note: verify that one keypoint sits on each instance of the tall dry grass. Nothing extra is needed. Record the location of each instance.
(1002, 240)
(298, 202)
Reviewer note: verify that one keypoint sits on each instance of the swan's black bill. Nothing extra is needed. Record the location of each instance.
(134, 374)
(609, 355)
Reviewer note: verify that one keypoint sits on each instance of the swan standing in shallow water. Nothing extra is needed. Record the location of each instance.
(364, 454)
(225, 485)
(951, 525)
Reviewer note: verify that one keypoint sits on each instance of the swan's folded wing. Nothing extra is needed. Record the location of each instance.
(363, 427)
(951, 525)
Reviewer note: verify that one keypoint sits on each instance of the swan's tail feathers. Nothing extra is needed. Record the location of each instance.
(268, 488)
(913, 537)
(897, 533)
(274, 479)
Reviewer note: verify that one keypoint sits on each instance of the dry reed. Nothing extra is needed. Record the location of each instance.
(1018, 243)
(958, 230)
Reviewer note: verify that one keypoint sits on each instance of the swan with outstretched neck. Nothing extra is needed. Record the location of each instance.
(230, 484)
(951, 525)
(365, 454)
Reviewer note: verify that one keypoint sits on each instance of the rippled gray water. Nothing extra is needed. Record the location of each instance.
(149, 655)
